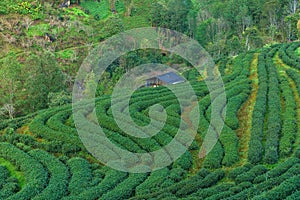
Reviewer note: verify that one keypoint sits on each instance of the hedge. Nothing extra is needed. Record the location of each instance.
(289, 124)
(59, 176)
(153, 182)
(280, 169)
(112, 179)
(81, 175)
(255, 145)
(206, 182)
(286, 59)
(126, 188)
(35, 174)
(274, 116)
(282, 191)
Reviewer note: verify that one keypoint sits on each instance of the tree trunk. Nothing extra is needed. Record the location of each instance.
(112, 5)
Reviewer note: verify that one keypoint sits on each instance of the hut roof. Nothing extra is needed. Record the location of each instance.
(170, 78)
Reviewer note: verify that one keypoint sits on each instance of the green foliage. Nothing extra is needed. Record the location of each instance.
(287, 54)
(255, 145)
(135, 22)
(284, 188)
(297, 153)
(280, 169)
(194, 185)
(38, 30)
(71, 142)
(273, 120)
(207, 192)
(214, 158)
(293, 196)
(59, 99)
(99, 10)
(126, 188)
(71, 173)
(174, 14)
(22, 7)
(153, 182)
(66, 54)
(289, 121)
(57, 185)
(45, 77)
(185, 161)
(28, 91)
(35, 174)
(112, 26)
(237, 171)
(112, 179)
(8, 184)
(11, 84)
(250, 175)
(77, 11)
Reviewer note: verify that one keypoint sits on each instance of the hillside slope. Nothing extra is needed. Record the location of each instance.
(257, 155)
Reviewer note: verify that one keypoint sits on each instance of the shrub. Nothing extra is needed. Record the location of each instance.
(217, 189)
(58, 183)
(194, 185)
(34, 172)
(245, 177)
(237, 171)
(185, 161)
(273, 120)
(214, 157)
(153, 182)
(289, 121)
(125, 189)
(112, 179)
(81, 175)
(277, 171)
(282, 191)
(255, 144)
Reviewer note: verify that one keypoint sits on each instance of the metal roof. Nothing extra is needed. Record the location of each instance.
(170, 78)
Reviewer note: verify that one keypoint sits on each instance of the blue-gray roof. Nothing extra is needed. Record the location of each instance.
(170, 78)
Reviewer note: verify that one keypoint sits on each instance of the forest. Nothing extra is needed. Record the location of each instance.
(255, 48)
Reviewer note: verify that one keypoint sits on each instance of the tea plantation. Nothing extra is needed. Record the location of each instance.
(256, 157)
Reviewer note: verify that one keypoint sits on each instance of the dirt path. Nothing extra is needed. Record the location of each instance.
(245, 113)
(197, 163)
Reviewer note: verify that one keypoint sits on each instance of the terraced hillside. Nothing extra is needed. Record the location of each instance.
(257, 155)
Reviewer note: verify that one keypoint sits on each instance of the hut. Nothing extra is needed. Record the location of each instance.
(169, 78)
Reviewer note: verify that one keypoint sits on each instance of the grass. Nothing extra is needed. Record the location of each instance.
(65, 54)
(140, 14)
(13, 171)
(120, 6)
(135, 22)
(38, 30)
(197, 163)
(97, 9)
(76, 11)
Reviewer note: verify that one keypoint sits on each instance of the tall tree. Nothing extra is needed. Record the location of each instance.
(253, 40)
(128, 5)
(10, 83)
(178, 13)
(44, 77)
(291, 19)
(174, 14)
(293, 6)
